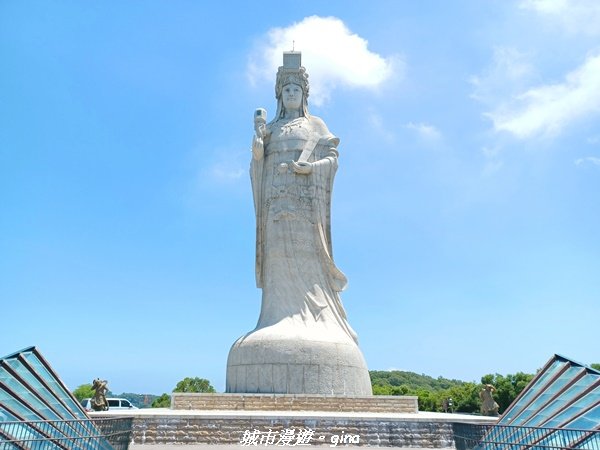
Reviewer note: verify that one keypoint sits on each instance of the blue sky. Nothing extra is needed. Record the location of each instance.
(466, 207)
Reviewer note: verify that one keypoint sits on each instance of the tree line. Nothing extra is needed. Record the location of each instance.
(435, 394)
(188, 384)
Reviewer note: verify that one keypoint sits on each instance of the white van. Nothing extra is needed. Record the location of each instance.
(120, 403)
(113, 404)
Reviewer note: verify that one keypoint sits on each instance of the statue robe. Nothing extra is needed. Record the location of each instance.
(294, 261)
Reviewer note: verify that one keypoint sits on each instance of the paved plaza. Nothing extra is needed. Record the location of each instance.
(240, 447)
(169, 414)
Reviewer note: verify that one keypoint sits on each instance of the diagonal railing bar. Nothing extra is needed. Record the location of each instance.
(95, 434)
(469, 436)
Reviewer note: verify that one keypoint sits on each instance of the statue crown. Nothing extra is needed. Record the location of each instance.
(291, 72)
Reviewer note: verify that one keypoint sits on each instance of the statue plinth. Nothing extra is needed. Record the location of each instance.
(288, 360)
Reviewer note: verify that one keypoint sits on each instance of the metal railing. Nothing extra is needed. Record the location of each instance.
(468, 436)
(90, 434)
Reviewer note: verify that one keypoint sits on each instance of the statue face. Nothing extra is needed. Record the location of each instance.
(291, 96)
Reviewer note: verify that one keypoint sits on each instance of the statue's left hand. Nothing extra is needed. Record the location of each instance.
(302, 167)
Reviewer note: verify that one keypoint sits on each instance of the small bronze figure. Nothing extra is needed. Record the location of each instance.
(488, 406)
(99, 402)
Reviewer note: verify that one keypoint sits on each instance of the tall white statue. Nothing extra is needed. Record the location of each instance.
(302, 342)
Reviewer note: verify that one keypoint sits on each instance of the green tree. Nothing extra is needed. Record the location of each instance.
(139, 400)
(431, 391)
(194, 385)
(465, 397)
(164, 401)
(400, 390)
(84, 391)
(507, 387)
(595, 366)
(428, 400)
(410, 380)
(382, 390)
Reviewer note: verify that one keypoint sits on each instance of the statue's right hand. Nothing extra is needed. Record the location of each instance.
(260, 129)
(258, 147)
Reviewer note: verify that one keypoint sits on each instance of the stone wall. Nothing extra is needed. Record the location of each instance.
(287, 402)
(174, 429)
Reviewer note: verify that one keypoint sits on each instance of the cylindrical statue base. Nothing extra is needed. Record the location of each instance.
(269, 361)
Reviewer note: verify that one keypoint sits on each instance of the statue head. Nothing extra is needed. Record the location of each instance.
(292, 97)
(291, 73)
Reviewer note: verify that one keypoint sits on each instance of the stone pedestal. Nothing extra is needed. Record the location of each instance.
(301, 403)
(284, 360)
(397, 430)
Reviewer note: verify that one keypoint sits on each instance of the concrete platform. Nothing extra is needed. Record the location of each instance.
(225, 429)
(418, 416)
(232, 447)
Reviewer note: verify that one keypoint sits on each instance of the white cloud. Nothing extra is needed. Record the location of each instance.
(593, 140)
(547, 109)
(509, 69)
(224, 166)
(378, 125)
(425, 131)
(574, 16)
(491, 167)
(331, 53)
(224, 174)
(492, 161)
(545, 6)
(587, 160)
(490, 152)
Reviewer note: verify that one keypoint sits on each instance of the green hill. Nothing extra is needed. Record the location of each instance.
(139, 400)
(432, 392)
